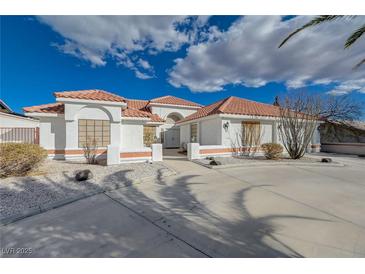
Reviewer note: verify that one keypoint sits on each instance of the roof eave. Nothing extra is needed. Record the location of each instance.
(173, 105)
(87, 101)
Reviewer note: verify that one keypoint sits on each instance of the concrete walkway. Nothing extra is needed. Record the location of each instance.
(240, 212)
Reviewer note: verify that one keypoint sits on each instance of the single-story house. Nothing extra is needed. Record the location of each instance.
(111, 120)
(222, 127)
(15, 127)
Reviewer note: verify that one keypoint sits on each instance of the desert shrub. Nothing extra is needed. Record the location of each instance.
(272, 150)
(19, 159)
(90, 151)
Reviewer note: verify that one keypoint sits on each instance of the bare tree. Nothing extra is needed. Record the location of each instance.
(299, 116)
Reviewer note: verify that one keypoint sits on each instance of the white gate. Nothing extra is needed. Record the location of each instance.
(172, 138)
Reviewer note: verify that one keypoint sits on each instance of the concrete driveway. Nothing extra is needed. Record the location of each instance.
(283, 211)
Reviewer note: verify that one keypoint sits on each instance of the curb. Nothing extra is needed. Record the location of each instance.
(271, 164)
(46, 207)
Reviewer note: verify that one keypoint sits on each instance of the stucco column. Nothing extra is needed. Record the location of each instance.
(71, 135)
(193, 151)
(316, 140)
(275, 132)
(115, 134)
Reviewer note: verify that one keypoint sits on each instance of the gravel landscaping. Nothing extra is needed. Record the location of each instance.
(258, 160)
(56, 183)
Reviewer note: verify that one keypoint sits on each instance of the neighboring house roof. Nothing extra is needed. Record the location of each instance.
(234, 105)
(7, 111)
(47, 108)
(91, 94)
(358, 125)
(172, 100)
(4, 107)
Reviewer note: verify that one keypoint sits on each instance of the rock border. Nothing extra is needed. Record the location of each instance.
(259, 163)
(49, 206)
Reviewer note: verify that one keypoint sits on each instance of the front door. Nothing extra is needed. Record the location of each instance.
(172, 138)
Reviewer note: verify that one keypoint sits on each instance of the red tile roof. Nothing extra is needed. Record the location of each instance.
(137, 104)
(135, 108)
(138, 108)
(172, 100)
(92, 94)
(130, 112)
(235, 105)
(47, 108)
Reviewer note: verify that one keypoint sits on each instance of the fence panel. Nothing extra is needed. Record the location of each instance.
(19, 135)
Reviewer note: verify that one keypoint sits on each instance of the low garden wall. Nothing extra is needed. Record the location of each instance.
(344, 148)
(196, 151)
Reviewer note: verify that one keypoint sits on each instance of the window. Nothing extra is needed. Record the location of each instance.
(149, 135)
(94, 130)
(194, 133)
(251, 133)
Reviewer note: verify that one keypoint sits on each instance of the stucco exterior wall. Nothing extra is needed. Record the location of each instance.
(132, 135)
(210, 132)
(8, 120)
(76, 111)
(185, 134)
(164, 111)
(52, 133)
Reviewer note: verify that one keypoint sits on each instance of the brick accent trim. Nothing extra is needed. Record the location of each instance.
(316, 146)
(136, 154)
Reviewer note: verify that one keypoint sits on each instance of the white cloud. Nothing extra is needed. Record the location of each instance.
(144, 64)
(349, 86)
(96, 38)
(247, 54)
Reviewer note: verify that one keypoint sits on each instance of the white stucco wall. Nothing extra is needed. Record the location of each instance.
(132, 135)
(8, 120)
(164, 111)
(210, 132)
(232, 136)
(185, 134)
(76, 111)
(52, 133)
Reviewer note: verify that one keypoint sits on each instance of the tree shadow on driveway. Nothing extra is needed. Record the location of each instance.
(173, 206)
(163, 218)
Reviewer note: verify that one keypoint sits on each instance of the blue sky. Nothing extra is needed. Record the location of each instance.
(201, 59)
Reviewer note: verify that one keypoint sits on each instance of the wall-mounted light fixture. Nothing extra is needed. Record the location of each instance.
(226, 126)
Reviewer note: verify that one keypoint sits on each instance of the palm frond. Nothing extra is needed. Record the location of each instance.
(315, 21)
(354, 36)
(359, 64)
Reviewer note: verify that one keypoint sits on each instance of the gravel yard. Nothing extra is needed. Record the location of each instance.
(57, 183)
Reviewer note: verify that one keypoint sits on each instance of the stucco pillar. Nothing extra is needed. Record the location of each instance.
(193, 151)
(71, 135)
(156, 152)
(116, 134)
(113, 155)
(275, 132)
(316, 140)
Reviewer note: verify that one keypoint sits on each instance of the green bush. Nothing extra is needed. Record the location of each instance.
(272, 150)
(19, 159)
